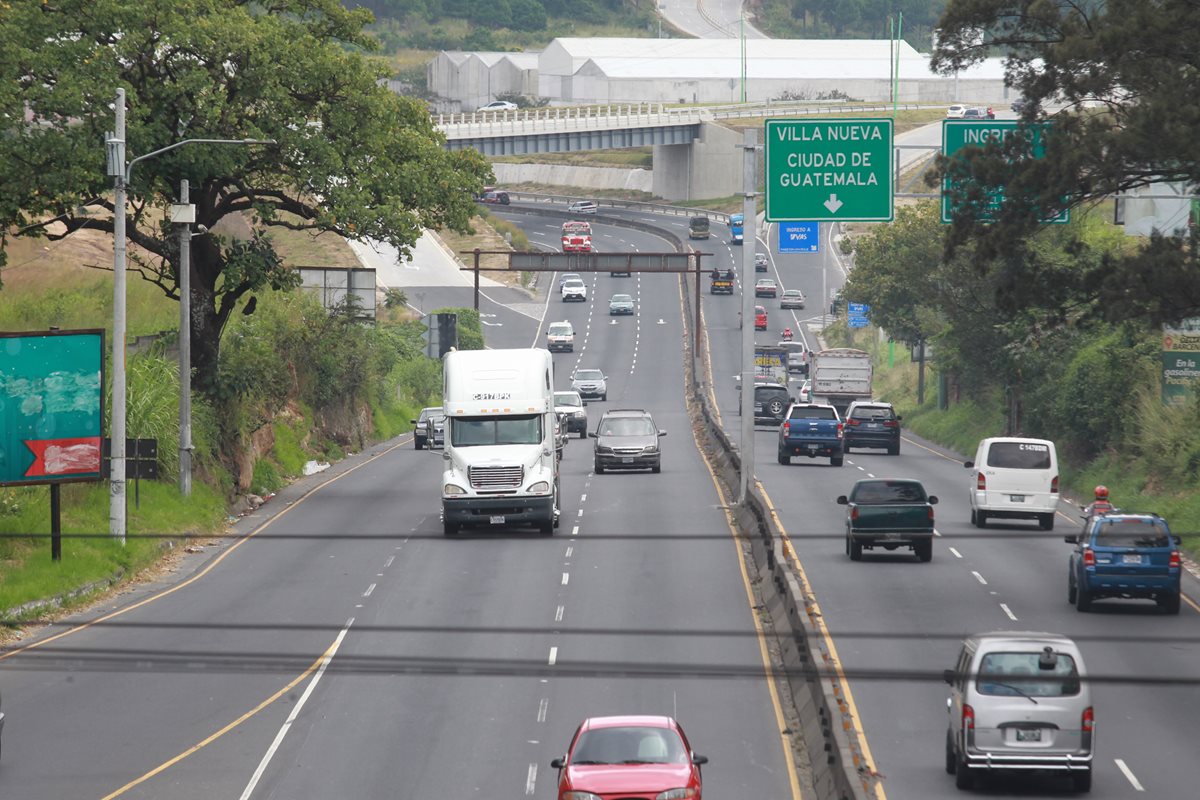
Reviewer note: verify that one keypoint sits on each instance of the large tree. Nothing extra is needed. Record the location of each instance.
(1125, 74)
(351, 157)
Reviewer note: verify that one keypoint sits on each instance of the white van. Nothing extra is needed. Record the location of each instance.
(560, 337)
(1014, 478)
(583, 207)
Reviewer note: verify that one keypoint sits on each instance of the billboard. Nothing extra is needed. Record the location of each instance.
(1181, 361)
(51, 406)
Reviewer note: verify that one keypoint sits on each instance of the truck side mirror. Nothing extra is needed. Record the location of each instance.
(1071, 538)
(662, 433)
(933, 499)
(968, 464)
(948, 676)
(843, 500)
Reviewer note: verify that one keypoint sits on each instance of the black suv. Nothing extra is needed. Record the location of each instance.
(627, 438)
(771, 401)
(872, 425)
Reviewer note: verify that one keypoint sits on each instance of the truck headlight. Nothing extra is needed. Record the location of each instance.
(451, 488)
(541, 487)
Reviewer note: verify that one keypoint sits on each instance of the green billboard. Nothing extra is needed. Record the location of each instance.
(51, 406)
(832, 170)
(1181, 362)
(958, 134)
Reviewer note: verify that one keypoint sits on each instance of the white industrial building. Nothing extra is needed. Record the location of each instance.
(611, 70)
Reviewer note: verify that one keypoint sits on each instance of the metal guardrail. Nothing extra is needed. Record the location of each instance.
(630, 205)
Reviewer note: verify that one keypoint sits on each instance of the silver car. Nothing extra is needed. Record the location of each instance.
(1019, 701)
(590, 383)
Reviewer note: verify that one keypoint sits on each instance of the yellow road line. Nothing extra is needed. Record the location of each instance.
(780, 721)
(856, 719)
(209, 568)
(213, 737)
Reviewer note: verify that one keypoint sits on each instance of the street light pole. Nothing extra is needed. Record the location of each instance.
(121, 174)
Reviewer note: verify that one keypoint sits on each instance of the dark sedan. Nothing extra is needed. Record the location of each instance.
(627, 439)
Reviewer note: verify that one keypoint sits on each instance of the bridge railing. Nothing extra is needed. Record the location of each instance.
(627, 205)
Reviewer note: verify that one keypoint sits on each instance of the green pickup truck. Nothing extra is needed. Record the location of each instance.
(889, 514)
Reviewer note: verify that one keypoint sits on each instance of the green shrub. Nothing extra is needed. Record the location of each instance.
(266, 478)
(288, 451)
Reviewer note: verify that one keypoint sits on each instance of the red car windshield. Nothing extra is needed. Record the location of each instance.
(629, 745)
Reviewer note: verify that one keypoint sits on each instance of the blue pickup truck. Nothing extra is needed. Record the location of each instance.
(811, 429)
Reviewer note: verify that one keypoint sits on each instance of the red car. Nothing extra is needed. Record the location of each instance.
(627, 757)
(760, 318)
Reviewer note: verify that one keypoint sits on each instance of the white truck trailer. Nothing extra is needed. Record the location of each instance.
(840, 376)
(499, 462)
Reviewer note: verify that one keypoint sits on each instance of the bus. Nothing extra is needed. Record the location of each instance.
(736, 227)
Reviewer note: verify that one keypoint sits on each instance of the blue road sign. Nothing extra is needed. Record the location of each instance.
(855, 321)
(799, 237)
(858, 309)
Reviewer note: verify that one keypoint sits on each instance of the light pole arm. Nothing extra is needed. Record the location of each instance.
(161, 150)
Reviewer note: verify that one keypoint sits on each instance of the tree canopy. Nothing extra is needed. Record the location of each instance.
(1125, 74)
(350, 156)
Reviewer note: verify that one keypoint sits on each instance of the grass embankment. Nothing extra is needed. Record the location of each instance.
(1131, 480)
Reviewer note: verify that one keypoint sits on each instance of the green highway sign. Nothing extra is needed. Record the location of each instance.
(51, 406)
(958, 134)
(829, 170)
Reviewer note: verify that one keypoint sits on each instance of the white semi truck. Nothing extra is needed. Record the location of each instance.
(499, 463)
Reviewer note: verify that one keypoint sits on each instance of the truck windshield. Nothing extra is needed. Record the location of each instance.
(473, 431)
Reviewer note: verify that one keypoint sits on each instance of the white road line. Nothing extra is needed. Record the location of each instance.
(575, 531)
(862, 469)
(1128, 773)
(543, 705)
(869, 474)
(936, 532)
(389, 562)
(558, 613)
(266, 759)
(531, 779)
(583, 498)
(566, 578)
(1008, 611)
(580, 514)
(370, 589)
(568, 553)
(553, 656)
(979, 577)
(956, 553)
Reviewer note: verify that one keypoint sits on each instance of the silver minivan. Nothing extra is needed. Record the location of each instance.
(1019, 701)
(1014, 478)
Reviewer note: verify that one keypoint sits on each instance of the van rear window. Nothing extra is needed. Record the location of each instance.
(1020, 674)
(1019, 455)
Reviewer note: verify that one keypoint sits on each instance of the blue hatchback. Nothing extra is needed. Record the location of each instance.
(1125, 555)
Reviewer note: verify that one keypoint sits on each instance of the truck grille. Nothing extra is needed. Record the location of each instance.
(495, 478)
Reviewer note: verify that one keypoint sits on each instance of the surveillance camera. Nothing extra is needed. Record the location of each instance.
(201, 229)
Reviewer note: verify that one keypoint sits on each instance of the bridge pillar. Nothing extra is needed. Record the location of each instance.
(711, 166)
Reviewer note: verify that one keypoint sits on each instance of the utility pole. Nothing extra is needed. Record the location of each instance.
(116, 169)
(749, 245)
(184, 214)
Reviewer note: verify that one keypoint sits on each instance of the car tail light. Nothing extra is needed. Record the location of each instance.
(980, 481)
(1089, 557)
(1173, 562)
(840, 430)
(968, 718)
(1054, 485)
(891, 423)
(787, 427)
(1088, 720)
(852, 421)
(930, 509)
(853, 514)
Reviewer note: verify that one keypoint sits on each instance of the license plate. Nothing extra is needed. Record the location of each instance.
(1017, 498)
(626, 459)
(497, 519)
(1029, 734)
(1131, 558)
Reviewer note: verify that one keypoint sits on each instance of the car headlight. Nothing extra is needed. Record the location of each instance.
(541, 487)
(579, 796)
(650, 449)
(451, 488)
(603, 449)
(677, 794)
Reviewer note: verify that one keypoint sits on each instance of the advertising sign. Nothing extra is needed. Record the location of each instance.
(1181, 362)
(51, 406)
(799, 237)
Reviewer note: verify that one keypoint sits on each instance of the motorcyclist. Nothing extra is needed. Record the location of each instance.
(787, 334)
(1100, 505)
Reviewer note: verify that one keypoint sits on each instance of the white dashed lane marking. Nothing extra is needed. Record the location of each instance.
(1006, 610)
(1128, 773)
(553, 656)
(979, 577)
(566, 578)
(956, 553)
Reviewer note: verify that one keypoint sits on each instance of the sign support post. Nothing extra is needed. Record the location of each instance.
(749, 211)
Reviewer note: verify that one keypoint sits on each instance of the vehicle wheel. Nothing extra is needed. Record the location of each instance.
(894, 450)
(604, 397)
(418, 444)
(951, 758)
(1083, 599)
(546, 527)
(1071, 592)
(449, 528)
(583, 434)
(776, 408)
(783, 457)
(964, 776)
(657, 468)
(1046, 522)
(1169, 604)
(973, 517)
(1082, 781)
(855, 550)
(599, 470)
(835, 461)
(980, 519)
(924, 550)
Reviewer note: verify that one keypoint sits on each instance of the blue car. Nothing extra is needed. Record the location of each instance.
(1125, 555)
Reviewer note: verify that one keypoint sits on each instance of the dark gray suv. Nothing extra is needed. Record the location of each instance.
(627, 438)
